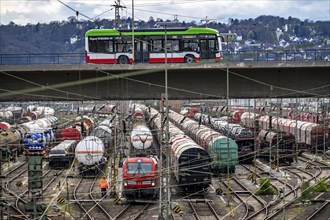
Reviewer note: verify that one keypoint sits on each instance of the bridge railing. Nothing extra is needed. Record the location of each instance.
(46, 58)
(241, 56)
(277, 56)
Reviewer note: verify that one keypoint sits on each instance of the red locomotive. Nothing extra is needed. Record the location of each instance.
(140, 177)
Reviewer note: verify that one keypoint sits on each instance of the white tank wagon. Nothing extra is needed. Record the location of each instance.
(137, 113)
(141, 136)
(11, 114)
(104, 132)
(91, 152)
(90, 155)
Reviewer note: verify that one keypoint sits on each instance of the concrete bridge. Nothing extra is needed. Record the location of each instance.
(147, 81)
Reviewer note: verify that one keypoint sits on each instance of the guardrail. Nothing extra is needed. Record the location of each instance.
(246, 56)
(278, 56)
(46, 58)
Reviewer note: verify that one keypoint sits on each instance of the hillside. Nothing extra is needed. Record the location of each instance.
(267, 32)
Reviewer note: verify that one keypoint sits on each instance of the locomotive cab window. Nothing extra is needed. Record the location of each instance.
(139, 168)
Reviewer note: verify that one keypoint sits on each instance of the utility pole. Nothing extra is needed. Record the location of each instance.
(117, 6)
(323, 112)
(133, 40)
(161, 109)
(255, 142)
(296, 130)
(1, 198)
(206, 21)
(167, 130)
(277, 139)
(228, 112)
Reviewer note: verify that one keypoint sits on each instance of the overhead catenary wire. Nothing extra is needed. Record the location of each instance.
(77, 12)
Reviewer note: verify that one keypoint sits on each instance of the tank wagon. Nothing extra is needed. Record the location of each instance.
(12, 139)
(11, 142)
(4, 125)
(11, 114)
(140, 177)
(62, 155)
(91, 152)
(141, 137)
(90, 155)
(190, 162)
(223, 150)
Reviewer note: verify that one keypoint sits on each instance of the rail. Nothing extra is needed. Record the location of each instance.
(241, 56)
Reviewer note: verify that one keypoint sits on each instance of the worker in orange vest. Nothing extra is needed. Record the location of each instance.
(103, 184)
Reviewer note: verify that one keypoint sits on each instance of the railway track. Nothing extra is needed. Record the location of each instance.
(92, 209)
(312, 161)
(310, 177)
(287, 194)
(323, 208)
(132, 212)
(255, 207)
(15, 174)
(203, 209)
(17, 192)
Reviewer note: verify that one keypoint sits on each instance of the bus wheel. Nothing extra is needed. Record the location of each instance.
(123, 60)
(189, 59)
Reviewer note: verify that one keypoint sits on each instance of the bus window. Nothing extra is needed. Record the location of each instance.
(190, 45)
(98, 45)
(212, 45)
(123, 46)
(157, 45)
(109, 47)
(102, 45)
(92, 45)
(174, 45)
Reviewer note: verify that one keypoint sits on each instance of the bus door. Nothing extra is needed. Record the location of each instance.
(207, 49)
(142, 51)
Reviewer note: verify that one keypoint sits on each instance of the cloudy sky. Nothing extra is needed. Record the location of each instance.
(43, 11)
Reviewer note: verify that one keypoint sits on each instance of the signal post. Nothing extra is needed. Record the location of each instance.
(34, 207)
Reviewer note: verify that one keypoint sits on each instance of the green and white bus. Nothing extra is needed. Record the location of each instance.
(109, 46)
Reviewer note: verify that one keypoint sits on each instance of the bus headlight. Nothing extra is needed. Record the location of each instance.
(152, 183)
(125, 183)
